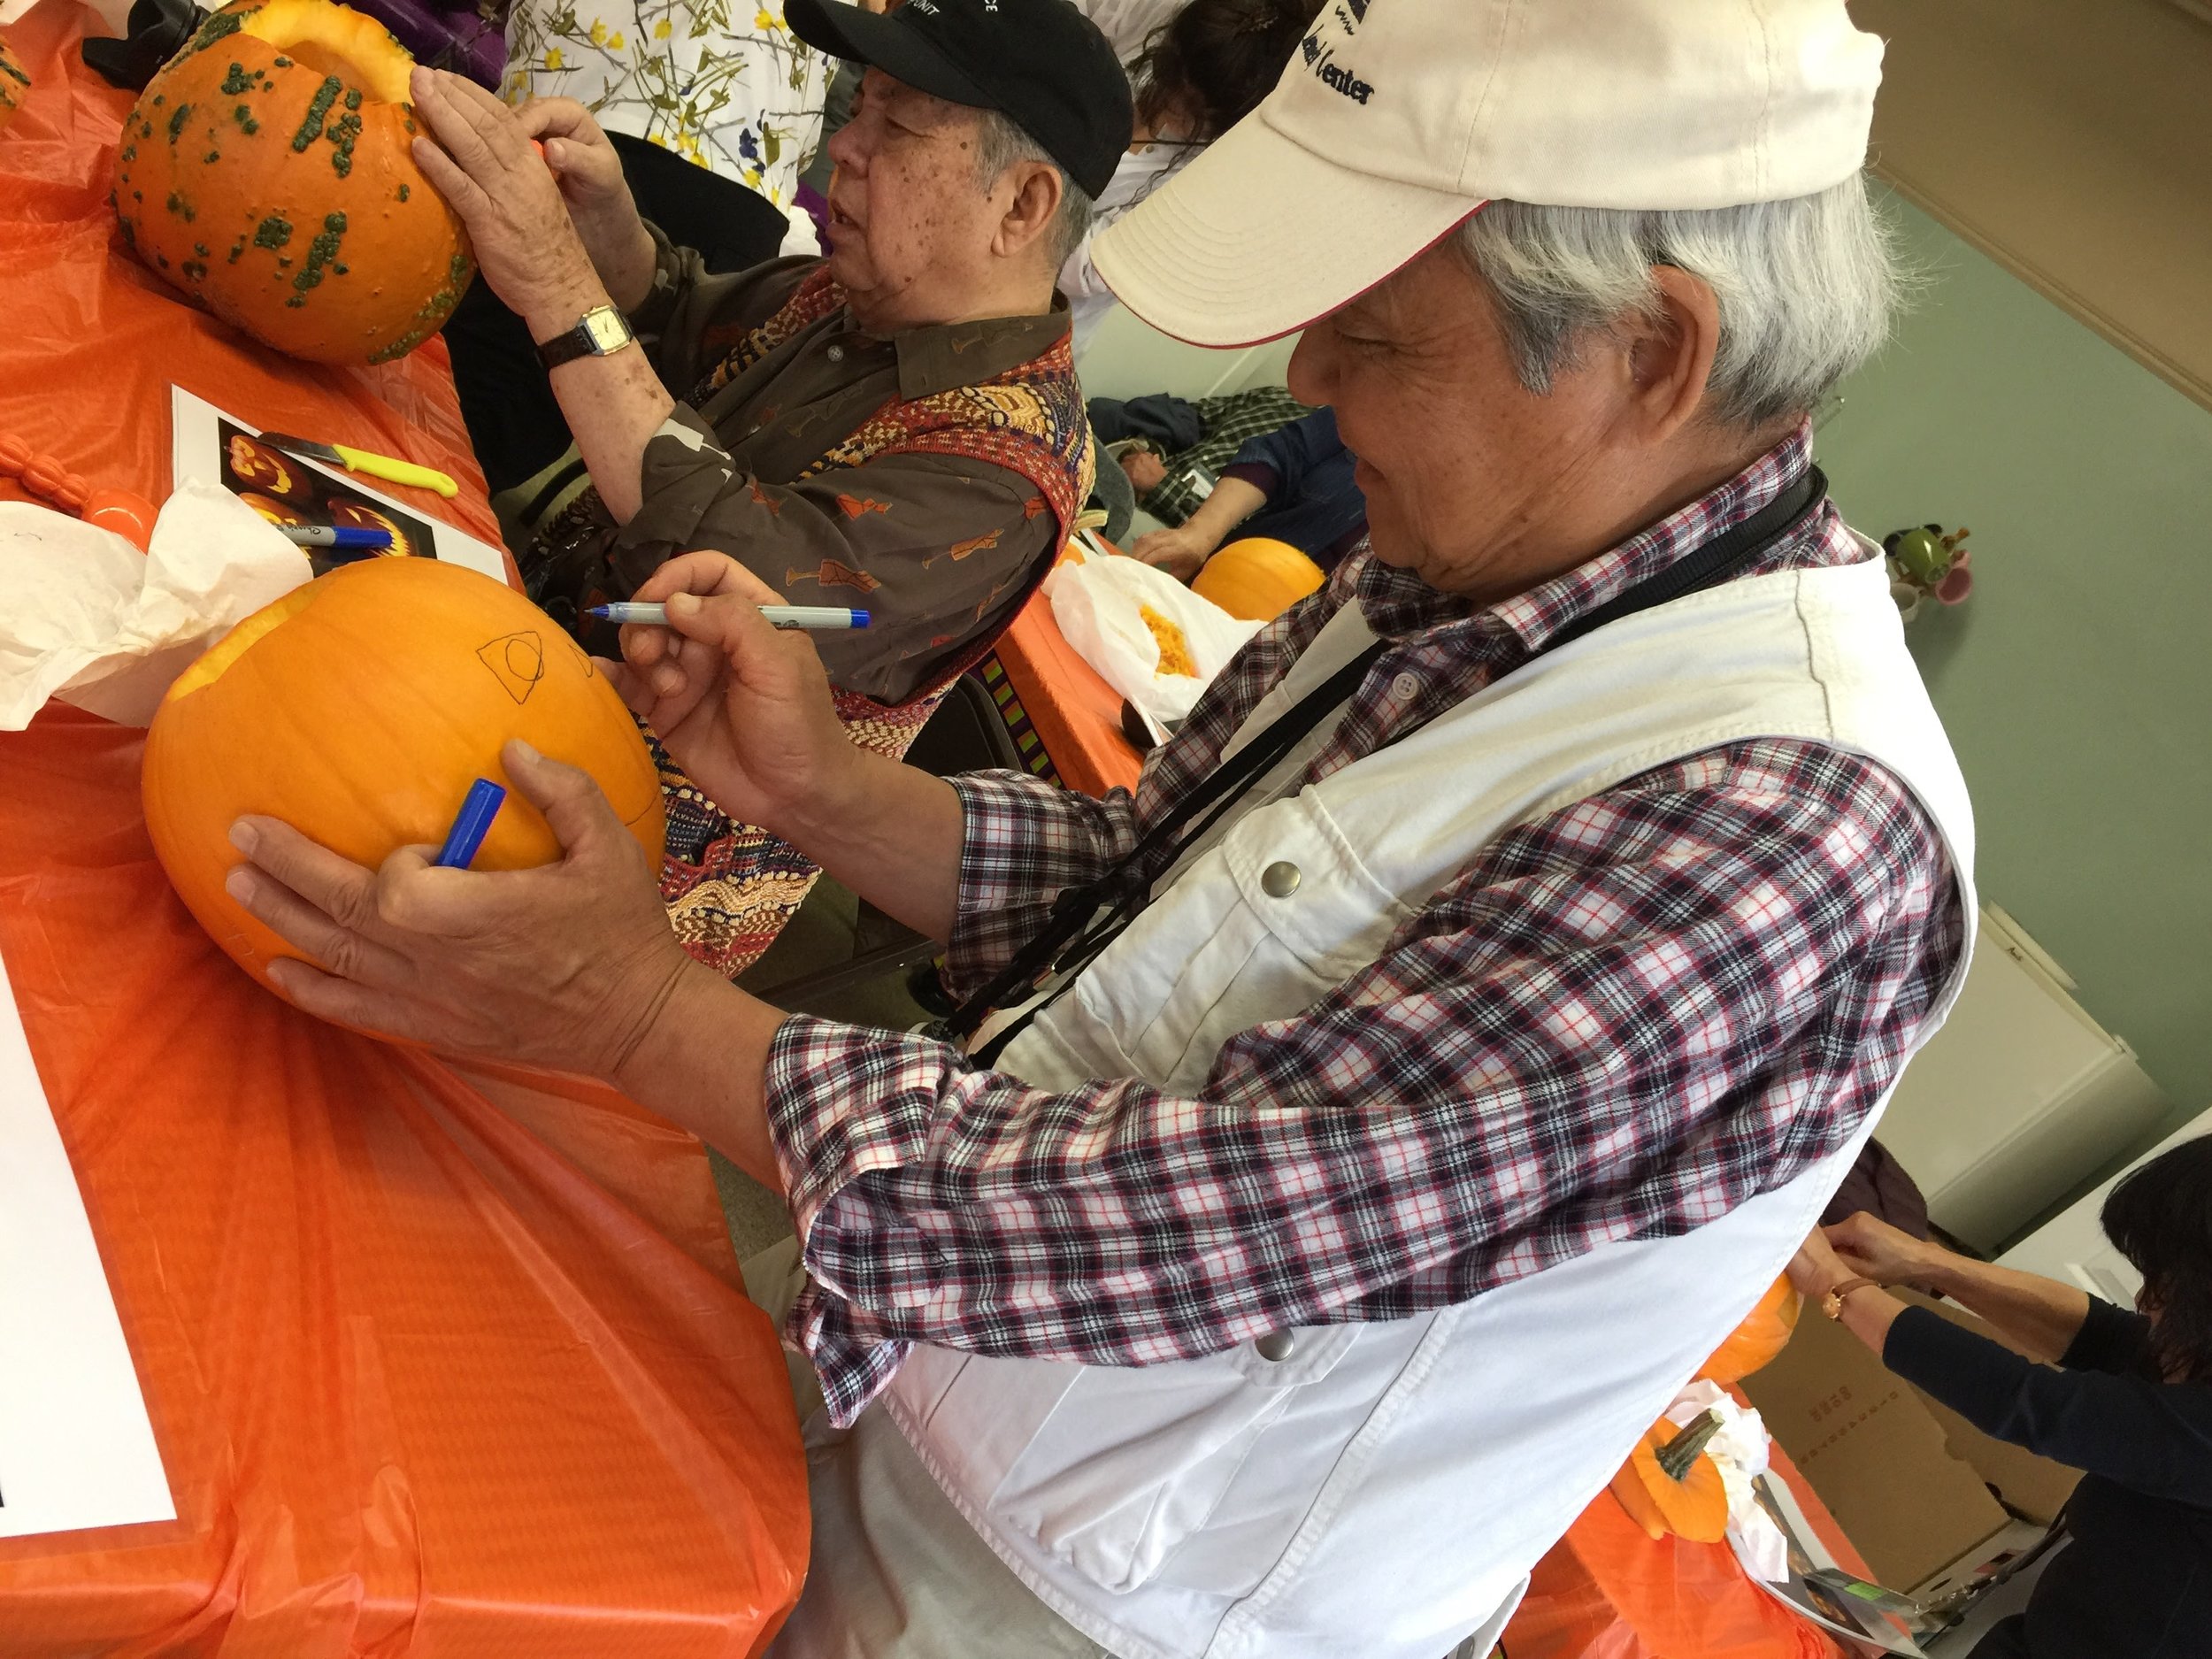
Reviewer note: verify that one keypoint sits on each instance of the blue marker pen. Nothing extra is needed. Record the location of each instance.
(820, 618)
(471, 824)
(345, 536)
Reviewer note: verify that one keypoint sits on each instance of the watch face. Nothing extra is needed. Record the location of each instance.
(607, 329)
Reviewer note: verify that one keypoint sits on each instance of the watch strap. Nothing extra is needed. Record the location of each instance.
(580, 341)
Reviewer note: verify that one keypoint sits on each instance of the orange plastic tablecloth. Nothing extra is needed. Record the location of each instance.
(1077, 714)
(441, 1360)
(1606, 1591)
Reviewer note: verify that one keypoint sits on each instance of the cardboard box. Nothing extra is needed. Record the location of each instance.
(1909, 1480)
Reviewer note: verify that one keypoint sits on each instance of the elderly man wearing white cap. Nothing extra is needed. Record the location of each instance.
(1388, 1108)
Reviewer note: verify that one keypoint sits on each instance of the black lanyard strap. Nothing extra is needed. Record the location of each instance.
(1085, 920)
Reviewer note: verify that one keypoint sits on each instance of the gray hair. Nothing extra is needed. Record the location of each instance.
(1806, 288)
(1000, 144)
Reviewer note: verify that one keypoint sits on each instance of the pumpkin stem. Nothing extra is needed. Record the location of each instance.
(1675, 1456)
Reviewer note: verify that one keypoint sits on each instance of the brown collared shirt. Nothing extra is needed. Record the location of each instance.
(936, 548)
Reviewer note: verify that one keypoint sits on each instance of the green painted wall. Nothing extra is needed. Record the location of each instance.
(2077, 681)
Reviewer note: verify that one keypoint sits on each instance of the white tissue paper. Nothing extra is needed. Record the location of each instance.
(1740, 1451)
(91, 620)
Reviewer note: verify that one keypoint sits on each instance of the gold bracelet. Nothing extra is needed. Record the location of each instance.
(1832, 1303)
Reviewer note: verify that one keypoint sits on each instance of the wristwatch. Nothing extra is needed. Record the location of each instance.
(598, 333)
(1831, 1304)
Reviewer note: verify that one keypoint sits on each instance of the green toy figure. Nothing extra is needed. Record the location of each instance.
(1927, 562)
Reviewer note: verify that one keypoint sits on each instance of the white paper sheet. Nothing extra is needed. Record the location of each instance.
(76, 1447)
(195, 452)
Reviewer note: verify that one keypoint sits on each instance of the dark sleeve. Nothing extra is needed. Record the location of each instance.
(2116, 1340)
(936, 548)
(690, 317)
(2153, 1437)
(1293, 452)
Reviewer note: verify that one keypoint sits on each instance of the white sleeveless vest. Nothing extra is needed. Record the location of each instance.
(1381, 1491)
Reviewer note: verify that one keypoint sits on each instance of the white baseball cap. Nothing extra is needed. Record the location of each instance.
(1397, 119)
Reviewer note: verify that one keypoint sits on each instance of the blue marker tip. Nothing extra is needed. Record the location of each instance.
(471, 824)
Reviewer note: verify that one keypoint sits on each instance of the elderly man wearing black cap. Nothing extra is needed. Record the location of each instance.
(896, 426)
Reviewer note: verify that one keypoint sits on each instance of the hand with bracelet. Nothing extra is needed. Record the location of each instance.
(1844, 1271)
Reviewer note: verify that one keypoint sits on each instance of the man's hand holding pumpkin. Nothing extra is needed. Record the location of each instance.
(479, 156)
(590, 173)
(569, 965)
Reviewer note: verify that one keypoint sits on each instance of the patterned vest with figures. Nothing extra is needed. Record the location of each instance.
(730, 888)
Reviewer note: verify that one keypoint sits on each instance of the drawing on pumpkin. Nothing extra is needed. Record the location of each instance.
(854, 506)
(832, 574)
(516, 662)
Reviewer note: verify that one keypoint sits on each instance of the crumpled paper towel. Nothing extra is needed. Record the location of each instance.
(1740, 1451)
(91, 620)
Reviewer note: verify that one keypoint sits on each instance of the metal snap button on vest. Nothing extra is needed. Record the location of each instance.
(1280, 880)
(835, 354)
(1276, 1345)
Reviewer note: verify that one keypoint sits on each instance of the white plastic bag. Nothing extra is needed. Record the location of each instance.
(1100, 605)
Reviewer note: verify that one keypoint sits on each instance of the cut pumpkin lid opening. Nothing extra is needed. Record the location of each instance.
(333, 40)
(220, 658)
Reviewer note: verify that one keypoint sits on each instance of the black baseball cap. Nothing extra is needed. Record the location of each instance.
(1041, 62)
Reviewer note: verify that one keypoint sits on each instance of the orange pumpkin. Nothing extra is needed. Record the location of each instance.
(15, 80)
(1257, 579)
(357, 709)
(1764, 1332)
(1671, 1484)
(266, 172)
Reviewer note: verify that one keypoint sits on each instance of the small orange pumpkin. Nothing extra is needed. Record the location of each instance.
(15, 80)
(1764, 1333)
(1671, 1484)
(359, 708)
(1257, 579)
(266, 172)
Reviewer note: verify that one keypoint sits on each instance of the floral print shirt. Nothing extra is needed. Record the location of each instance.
(724, 83)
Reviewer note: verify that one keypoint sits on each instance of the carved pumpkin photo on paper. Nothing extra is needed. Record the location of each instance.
(316, 497)
(277, 512)
(261, 468)
(345, 510)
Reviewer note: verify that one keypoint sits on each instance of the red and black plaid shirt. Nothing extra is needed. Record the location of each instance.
(1619, 1021)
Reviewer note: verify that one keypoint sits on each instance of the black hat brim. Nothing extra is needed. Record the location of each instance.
(879, 41)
